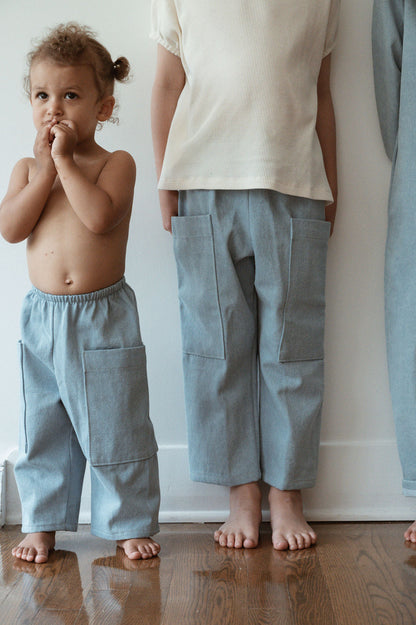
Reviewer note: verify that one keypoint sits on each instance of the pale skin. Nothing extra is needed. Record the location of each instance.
(72, 202)
(289, 527)
(410, 533)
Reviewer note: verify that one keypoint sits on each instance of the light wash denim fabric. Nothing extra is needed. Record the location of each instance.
(85, 396)
(394, 54)
(251, 274)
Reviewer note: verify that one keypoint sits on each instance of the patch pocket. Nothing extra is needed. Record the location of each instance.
(304, 313)
(201, 321)
(117, 399)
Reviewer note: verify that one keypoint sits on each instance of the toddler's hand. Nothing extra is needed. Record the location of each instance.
(42, 148)
(64, 138)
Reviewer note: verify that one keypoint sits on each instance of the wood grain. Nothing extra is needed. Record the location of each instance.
(365, 569)
(358, 574)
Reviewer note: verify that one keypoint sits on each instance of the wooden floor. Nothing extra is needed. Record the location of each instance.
(358, 574)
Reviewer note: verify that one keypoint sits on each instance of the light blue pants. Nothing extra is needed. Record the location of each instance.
(251, 274)
(400, 307)
(85, 396)
(394, 56)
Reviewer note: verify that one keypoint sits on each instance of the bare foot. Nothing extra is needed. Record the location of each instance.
(410, 533)
(289, 527)
(35, 547)
(242, 527)
(139, 548)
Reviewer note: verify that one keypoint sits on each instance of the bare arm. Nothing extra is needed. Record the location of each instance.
(100, 205)
(325, 128)
(29, 188)
(168, 85)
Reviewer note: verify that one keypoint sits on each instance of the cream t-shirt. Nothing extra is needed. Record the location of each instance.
(246, 116)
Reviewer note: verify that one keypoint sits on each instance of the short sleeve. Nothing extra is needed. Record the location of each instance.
(165, 28)
(332, 28)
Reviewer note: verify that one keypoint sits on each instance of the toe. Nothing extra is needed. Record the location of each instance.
(28, 554)
(153, 549)
(41, 556)
(17, 552)
(293, 543)
(300, 541)
(280, 543)
(143, 553)
(150, 550)
(231, 540)
(249, 543)
(410, 535)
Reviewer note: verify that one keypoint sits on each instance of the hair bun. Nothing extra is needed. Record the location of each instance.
(121, 68)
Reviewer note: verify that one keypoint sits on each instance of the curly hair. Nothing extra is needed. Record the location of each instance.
(73, 44)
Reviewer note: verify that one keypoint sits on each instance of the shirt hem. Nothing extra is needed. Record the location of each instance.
(226, 184)
(327, 51)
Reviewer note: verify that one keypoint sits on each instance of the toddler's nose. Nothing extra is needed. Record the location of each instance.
(54, 109)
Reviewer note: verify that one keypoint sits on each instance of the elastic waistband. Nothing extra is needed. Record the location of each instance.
(80, 297)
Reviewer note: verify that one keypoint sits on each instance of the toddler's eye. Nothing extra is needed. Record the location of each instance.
(70, 95)
(42, 95)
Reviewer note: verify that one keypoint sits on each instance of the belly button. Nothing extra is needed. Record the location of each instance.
(69, 281)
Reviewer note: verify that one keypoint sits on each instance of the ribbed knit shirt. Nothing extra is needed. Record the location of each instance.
(247, 114)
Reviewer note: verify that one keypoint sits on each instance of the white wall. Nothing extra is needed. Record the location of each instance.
(359, 472)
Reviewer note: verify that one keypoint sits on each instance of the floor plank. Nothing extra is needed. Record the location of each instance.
(365, 567)
(358, 574)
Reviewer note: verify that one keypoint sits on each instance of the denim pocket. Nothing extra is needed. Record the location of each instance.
(304, 313)
(117, 398)
(202, 328)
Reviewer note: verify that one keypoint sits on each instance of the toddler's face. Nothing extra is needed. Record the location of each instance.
(64, 92)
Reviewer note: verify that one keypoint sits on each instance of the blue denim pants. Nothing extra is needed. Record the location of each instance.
(394, 56)
(400, 314)
(85, 396)
(251, 274)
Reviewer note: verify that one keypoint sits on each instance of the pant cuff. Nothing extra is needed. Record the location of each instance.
(409, 488)
(50, 527)
(221, 480)
(289, 484)
(135, 532)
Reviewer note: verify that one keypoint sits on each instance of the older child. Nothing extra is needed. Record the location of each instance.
(394, 31)
(83, 362)
(243, 126)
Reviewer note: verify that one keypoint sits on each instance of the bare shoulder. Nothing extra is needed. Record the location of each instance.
(21, 174)
(24, 167)
(118, 178)
(121, 158)
(119, 164)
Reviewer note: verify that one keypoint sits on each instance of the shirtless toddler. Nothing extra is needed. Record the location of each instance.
(84, 382)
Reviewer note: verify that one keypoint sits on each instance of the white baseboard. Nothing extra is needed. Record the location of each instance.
(357, 481)
(2, 493)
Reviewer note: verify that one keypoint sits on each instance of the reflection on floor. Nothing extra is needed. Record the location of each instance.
(358, 574)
